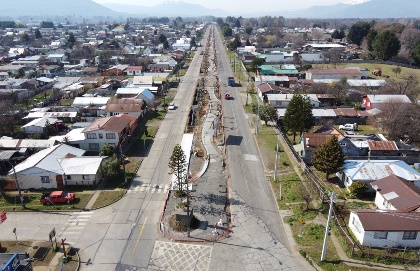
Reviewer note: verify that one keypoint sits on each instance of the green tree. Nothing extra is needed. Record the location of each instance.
(248, 30)
(107, 150)
(188, 33)
(49, 129)
(24, 38)
(162, 38)
(358, 188)
(298, 117)
(328, 157)
(165, 44)
(126, 26)
(71, 40)
(110, 167)
(358, 32)
(370, 38)
(45, 24)
(338, 34)
(219, 21)
(177, 163)
(38, 34)
(227, 31)
(386, 45)
(415, 52)
(20, 73)
(235, 43)
(256, 62)
(267, 113)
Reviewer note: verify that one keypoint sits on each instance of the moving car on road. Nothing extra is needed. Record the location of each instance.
(171, 106)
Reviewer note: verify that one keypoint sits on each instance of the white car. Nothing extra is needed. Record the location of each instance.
(348, 127)
(171, 106)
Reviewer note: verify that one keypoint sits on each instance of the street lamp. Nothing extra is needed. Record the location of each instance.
(122, 158)
(17, 184)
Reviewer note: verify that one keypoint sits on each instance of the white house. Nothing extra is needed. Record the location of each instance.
(57, 58)
(283, 100)
(37, 126)
(396, 194)
(146, 95)
(385, 228)
(48, 168)
(372, 170)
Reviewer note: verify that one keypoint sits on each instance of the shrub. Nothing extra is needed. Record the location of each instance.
(179, 194)
(358, 188)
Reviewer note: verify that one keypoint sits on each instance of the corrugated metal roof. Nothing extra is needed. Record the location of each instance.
(382, 145)
(389, 220)
(81, 165)
(378, 169)
(406, 194)
(46, 160)
(386, 98)
(41, 122)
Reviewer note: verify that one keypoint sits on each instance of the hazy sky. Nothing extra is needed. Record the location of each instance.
(241, 5)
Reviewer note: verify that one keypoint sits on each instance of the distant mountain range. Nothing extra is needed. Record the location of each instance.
(168, 9)
(51, 9)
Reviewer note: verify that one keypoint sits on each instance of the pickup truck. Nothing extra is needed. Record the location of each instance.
(56, 197)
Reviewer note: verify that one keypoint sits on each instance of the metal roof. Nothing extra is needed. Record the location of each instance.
(81, 165)
(41, 122)
(46, 160)
(388, 220)
(378, 169)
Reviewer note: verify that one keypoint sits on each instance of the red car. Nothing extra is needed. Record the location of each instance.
(227, 96)
(57, 197)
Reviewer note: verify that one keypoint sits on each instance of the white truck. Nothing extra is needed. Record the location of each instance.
(348, 127)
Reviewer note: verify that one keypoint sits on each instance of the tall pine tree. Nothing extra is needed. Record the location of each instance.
(177, 164)
(328, 157)
(298, 116)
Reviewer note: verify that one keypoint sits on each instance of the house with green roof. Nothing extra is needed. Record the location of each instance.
(284, 70)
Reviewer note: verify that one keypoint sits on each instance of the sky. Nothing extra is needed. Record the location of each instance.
(241, 5)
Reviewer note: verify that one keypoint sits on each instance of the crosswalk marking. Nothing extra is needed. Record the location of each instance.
(152, 188)
(76, 223)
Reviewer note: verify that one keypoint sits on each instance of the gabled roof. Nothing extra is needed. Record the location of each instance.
(124, 105)
(382, 145)
(47, 159)
(378, 169)
(402, 194)
(88, 165)
(388, 220)
(112, 124)
(41, 122)
(384, 98)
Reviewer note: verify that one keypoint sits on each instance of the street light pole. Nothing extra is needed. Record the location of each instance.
(122, 159)
(327, 228)
(188, 210)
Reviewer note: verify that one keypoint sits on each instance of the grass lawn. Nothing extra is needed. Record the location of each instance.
(107, 197)
(386, 69)
(32, 203)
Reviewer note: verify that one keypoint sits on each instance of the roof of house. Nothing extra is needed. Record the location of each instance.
(378, 169)
(146, 94)
(335, 71)
(382, 145)
(90, 101)
(41, 122)
(81, 165)
(47, 159)
(266, 87)
(311, 141)
(402, 194)
(25, 143)
(143, 80)
(112, 124)
(124, 105)
(350, 112)
(388, 220)
(386, 98)
(134, 68)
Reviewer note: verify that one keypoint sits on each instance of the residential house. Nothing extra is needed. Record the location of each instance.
(110, 130)
(146, 95)
(333, 74)
(310, 141)
(396, 194)
(382, 148)
(57, 58)
(281, 70)
(182, 44)
(283, 100)
(37, 126)
(117, 70)
(48, 168)
(385, 229)
(92, 82)
(281, 81)
(50, 71)
(72, 91)
(372, 170)
(134, 70)
(134, 107)
(90, 106)
(375, 101)
(350, 115)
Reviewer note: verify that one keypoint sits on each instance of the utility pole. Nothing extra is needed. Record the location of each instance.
(123, 160)
(17, 185)
(275, 165)
(258, 116)
(188, 209)
(327, 228)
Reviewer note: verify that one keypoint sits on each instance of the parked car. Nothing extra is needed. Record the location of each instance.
(171, 106)
(348, 127)
(227, 96)
(56, 197)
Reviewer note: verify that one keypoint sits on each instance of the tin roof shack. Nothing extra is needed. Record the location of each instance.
(382, 148)
(369, 171)
(396, 194)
